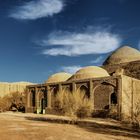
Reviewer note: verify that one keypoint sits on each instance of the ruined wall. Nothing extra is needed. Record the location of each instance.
(7, 88)
(102, 97)
(126, 98)
(136, 97)
(130, 97)
(131, 69)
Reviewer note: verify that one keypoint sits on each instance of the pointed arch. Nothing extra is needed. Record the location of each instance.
(84, 89)
(102, 93)
(33, 98)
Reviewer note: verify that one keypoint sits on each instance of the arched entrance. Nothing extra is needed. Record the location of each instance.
(113, 98)
(41, 101)
(54, 91)
(102, 96)
(84, 90)
(33, 98)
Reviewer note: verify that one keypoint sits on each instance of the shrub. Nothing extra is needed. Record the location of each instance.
(5, 103)
(14, 101)
(72, 104)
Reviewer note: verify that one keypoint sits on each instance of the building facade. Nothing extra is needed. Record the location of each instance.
(113, 86)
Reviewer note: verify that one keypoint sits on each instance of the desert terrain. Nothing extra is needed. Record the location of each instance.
(18, 126)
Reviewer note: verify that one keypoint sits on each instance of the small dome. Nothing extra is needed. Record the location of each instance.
(123, 55)
(58, 77)
(90, 72)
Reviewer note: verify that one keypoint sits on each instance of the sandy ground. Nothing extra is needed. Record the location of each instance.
(15, 126)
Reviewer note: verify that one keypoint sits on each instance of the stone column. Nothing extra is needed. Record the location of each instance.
(132, 100)
(73, 87)
(28, 103)
(28, 98)
(48, 97)
(60, 88)
(37, 102)
(119, 96)
(91, 92)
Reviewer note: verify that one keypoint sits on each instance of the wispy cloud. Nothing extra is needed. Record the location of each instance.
(73, 44)
(37, 9)
(98, 60)
(71, 69)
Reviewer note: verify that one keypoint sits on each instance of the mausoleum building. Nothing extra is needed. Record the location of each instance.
(113, 86)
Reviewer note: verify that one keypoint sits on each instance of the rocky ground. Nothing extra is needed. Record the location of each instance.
(18, 126)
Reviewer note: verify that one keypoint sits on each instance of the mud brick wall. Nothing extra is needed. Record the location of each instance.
(131, 69)
(102, 96)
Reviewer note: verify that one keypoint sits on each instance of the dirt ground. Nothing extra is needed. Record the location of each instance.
(17, 127)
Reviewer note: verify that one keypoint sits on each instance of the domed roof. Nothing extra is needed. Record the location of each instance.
(58, 77)
(89, 72)
(122, 55)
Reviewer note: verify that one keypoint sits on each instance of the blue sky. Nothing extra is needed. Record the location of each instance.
(41, 37)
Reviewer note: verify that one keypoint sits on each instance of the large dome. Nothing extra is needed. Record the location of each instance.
(58, 77)
(89, 72)
(122, 55)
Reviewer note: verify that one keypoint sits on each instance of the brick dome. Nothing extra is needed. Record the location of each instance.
(89, 72)
(58, 77)
(123, 55)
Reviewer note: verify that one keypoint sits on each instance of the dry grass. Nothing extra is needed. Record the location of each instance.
(74, 104)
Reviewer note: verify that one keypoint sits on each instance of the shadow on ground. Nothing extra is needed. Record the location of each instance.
(94, 127)
(110, 130)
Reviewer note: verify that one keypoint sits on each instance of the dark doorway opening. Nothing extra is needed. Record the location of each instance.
(113, 98)
(43, 105)
(33, 98)
(85, 91)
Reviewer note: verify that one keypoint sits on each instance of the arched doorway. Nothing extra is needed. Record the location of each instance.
(113, 98)
(84, 90)
(54, 91)
(42, 101)
(33, 98)
(102, 94)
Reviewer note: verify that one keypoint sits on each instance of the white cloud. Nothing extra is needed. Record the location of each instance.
(37, 9)
(73, 44)
(139, 45)
(71, 69)
(98, 60)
